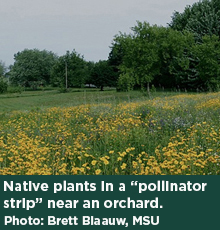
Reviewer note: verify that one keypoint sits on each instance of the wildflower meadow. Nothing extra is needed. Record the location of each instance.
(166, 135)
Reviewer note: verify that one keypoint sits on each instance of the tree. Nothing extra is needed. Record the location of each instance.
(3, 85)
(102, 74)
(2, 69)
(116, 56)
(3, 80)
(202, 18)
(74, 66)
(32, 67)
(208, 62)
(140, 61)
(174, 50)
(157, 55)
(90, 65)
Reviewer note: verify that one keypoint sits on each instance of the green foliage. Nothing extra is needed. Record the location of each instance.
(90, 65)
(173, 49)
(184, 55)
(32, 67)
(74, 66)
(116, 56)
(17, 89)
(2, 69)
(167, 58)
(125, 82)
(62, 89)
(102, 74)
(202, 18)
(153, 54)
(3, 85)
(153, 89)
(208, 62)
(141, 58)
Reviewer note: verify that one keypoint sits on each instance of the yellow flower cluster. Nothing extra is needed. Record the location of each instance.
(177, 135)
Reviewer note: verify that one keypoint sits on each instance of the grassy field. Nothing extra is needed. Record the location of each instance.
(108, 133)
(52, 98)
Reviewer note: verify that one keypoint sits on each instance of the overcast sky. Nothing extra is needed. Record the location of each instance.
(88, 26)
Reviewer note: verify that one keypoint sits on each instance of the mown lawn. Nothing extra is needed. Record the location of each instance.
(110, 133)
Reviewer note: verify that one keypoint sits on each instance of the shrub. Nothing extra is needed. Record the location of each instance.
(17, 89)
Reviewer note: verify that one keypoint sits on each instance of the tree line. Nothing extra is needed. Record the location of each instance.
(33, 68)
(183, 55)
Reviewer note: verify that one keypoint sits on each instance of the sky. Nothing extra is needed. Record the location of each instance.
(88, 26)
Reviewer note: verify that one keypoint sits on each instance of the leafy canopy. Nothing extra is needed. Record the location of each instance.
(74, 66)
(32, 66)
(202, 18)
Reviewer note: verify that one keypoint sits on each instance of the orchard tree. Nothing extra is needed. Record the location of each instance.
(32, 67)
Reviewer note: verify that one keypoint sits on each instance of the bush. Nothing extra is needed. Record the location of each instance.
(3, 86)
(63, 89)
(17, 89)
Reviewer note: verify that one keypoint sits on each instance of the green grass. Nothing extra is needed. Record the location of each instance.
(44, 99)
(29, 100)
